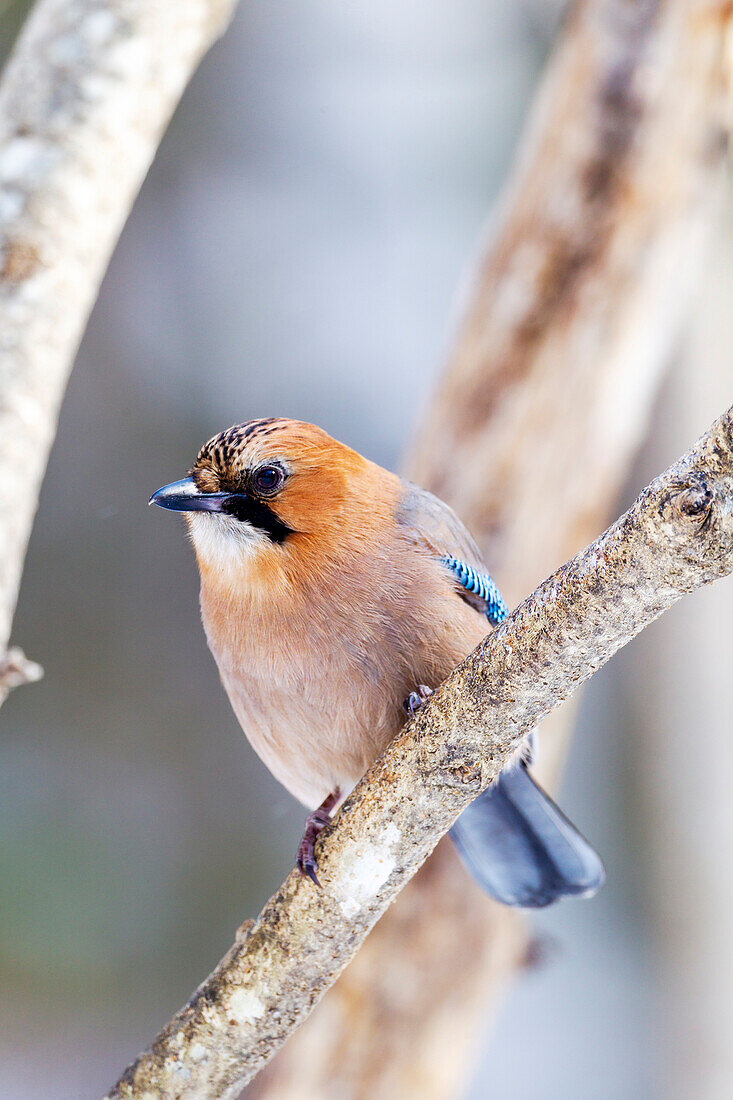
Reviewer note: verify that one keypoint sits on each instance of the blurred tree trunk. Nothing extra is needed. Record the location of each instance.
(679, 685)
(579, 300)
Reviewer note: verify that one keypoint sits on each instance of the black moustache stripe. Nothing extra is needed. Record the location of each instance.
(258, 514)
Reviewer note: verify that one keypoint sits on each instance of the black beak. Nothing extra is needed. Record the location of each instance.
(183, 496)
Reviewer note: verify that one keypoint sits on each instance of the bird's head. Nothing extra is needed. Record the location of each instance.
(271, 484)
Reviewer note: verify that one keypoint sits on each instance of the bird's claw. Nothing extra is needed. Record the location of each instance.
(315, 822)
(416, 698)
(308, 867)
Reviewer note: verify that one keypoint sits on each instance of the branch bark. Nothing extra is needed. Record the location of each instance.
(583, 287)
(676, 537)
(89, 88)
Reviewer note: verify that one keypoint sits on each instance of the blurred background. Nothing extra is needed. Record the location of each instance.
(295, 251)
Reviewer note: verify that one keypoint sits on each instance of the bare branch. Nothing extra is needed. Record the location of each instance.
(676, 537)
(83, 102)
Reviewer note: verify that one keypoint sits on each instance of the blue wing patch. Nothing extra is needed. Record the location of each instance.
(481, 585)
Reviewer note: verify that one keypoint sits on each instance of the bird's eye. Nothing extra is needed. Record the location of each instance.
(267, 479)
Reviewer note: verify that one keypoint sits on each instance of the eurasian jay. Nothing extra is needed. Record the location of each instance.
(335, 596)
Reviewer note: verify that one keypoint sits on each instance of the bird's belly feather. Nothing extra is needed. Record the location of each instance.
(319, 696)
(317, 727)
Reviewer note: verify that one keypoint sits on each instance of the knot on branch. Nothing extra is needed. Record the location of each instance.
(16, 669)
(690, 504)
(698, 510)
(695, 500)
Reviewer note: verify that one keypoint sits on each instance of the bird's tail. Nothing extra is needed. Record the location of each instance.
(520, 847)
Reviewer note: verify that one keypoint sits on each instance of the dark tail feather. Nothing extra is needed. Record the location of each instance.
(520, 847)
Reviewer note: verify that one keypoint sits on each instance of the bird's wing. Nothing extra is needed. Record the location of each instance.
(429, 522)
(514, 840)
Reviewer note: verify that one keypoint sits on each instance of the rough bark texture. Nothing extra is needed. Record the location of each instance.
(582, 289)
(676, 537)
(83, 102)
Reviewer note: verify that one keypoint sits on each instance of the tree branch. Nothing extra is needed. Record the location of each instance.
(676, 537)
(84, 100)
(582, 289)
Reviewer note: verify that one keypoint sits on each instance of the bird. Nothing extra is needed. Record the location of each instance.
(335, 597)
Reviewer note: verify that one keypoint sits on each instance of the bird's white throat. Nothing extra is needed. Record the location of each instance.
(223, 542)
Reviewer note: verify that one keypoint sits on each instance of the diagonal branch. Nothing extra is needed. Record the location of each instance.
(676, 537)
(582, 288)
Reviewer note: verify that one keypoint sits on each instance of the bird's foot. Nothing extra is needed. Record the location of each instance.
(315, 822)
(415, 699)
